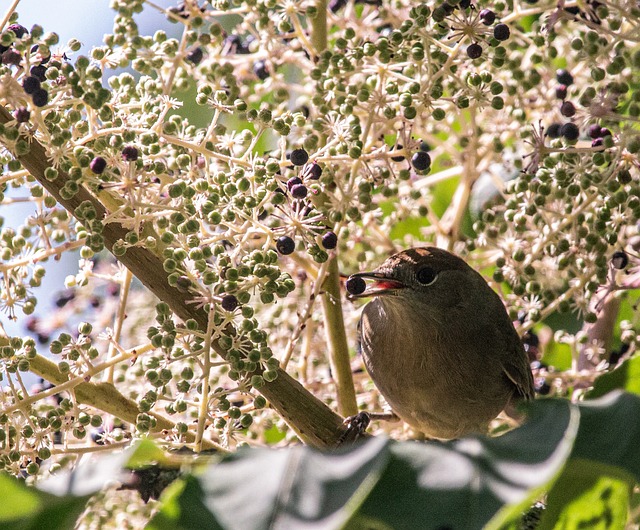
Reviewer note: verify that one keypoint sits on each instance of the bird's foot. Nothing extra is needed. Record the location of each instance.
(355, 428)
(356, 425)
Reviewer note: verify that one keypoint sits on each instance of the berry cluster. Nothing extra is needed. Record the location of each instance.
(306, 148)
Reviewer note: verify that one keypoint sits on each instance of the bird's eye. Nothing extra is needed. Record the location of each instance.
(426, 275)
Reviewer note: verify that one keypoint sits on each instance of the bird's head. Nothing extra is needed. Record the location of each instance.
(430, 277)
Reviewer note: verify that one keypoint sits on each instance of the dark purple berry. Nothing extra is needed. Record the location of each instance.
(619, 260)
(11, 57)
(30, 84)
(179, 11)
(285, 245)
(487, 16)
(568, 109)
(553, 131)
(21, 114)
(299, 191)
(421, 160)
(616, 355)
(97, 436)
(229, 302)
(40, 97)
(314, 171)
(462, 4)
(20, 31)
(604, 132)
(594, 130)
(355, 285)
(564, 77)
(329, 240)
(474, 50)
(561, 91)
(624, 176)
(299, 157)
(570, 131)
(336, 5)
(39, 72)
(261, 70)
(63, 298)
(293, 181)
(32, 324)
(184, 284)
(195, 56)
(98, 165)
(130, 153)
(596, 142)
(235, 45)
(501, 32)
(424, 146)
(543, 388)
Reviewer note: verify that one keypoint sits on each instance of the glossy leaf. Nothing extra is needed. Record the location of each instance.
(380, 483)
(586, 455)
(26, 508)
(609, 432)
(88, 478)
(624, 377)
(588, 495)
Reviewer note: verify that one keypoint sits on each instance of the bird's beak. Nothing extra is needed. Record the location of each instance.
(381, 285)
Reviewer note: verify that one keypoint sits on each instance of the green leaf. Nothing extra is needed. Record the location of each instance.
(379, 483)
(587, 453)
(587, 495)
(528, 21)
(273, 435)
(411, 225)
(610, 433)
(624, 377)
(594, 489)
(568, 321)
(557, 355)
(17, 499)
(464, 488)
(27, 508)
(145, 453)
(88, 478)
(184, 506)
(443, 194)
(257, 488)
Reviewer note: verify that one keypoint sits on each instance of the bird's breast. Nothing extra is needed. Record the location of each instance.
(442, 383)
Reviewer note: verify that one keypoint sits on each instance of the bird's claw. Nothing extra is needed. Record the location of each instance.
(355, 428)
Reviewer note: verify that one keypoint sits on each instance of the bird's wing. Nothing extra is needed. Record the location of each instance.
(517, 369)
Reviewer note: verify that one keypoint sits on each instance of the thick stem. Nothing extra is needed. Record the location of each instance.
(331, 302)
(105, 397)
(319, 27)
(337, 342)
(314, 422)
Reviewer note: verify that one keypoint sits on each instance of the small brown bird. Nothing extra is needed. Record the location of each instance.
(439, 344)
